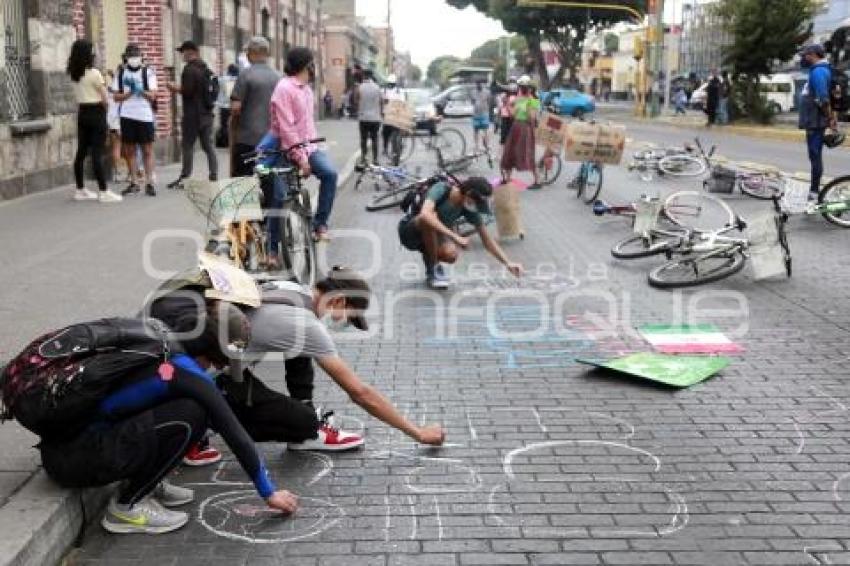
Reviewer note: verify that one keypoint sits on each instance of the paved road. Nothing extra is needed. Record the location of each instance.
(545, 462)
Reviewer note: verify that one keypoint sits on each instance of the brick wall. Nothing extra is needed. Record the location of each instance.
(144, 27)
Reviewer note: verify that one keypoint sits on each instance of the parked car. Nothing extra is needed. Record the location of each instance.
(568, 102)
(455, 101)
(425, 113)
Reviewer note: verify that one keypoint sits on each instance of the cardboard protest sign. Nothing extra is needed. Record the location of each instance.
(602, 143)
(398, 114)
(550, 132)
(229, 282)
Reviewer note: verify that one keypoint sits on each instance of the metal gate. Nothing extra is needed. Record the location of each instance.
(17, 59)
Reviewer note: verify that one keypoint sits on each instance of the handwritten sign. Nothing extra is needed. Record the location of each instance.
(550, 132)
(602, 143)
(397, 113)
(229, 283)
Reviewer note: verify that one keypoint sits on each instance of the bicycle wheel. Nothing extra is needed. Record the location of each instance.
(698, 211)
(548, 169)
(298, 247)
(388, 199)
(690, 271)
(636, 247)
(592, 183)
(682, 166)
(451, 142)
(761, 187)
(837, 196)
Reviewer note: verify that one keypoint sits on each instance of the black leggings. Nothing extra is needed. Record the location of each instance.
(178, 425)
(139, 450)
(91, 136)
(369, 131)
(386, 132)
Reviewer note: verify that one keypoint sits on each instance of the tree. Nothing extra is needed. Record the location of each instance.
(491, 53)
(440, 68)
(765, 34)
(564, 28)
(414, 74)
(612, 43)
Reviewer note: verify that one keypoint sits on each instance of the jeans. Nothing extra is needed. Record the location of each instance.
(723, 111)
(369, 131)
(324, 170)
(814, 141)
(274, 192)
(194, 129)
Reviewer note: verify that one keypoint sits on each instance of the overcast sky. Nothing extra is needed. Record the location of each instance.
(429, 28)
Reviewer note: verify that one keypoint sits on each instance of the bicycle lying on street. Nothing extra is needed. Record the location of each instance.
(450, 141)
(384, 178)
(688, 161)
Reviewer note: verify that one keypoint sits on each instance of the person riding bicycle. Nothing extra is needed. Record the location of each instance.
(297, 323)
(429, 232)
(391, 92)
(292, 123)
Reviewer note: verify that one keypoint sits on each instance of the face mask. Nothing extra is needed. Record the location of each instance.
(805, 63)
(134, 62)
(333, 324)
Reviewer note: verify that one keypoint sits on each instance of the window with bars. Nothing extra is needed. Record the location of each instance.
(265, 20)
(16, 72)
(197, 23)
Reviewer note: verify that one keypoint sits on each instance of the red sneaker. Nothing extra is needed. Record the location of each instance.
(201, 456)
(330, 439)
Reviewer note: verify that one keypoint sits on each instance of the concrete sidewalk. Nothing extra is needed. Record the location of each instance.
(79, 261)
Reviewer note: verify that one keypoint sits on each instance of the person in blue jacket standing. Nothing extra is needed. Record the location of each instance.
(815, 111)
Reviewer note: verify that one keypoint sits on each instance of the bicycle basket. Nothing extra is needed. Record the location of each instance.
(765, 250)
(722, 180)
(226, 201)
(646, 215)
(795, 195)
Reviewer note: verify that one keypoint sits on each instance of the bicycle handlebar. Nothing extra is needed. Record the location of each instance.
(258, 154)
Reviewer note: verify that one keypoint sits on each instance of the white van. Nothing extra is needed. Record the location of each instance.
(778, 89)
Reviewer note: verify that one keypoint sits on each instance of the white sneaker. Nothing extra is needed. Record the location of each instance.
(109, 197)
(329, 439)
(84, 194)
(170, 495)
(147, 516)
(438, 279)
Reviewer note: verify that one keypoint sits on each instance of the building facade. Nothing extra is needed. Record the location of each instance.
(38, 113)
(348, 45)
(703, 39)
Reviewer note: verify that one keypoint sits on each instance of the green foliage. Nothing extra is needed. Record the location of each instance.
(414, 74)
(491, 53)
(612, 43)
(440, 68)
(564, 28)
(765, 34)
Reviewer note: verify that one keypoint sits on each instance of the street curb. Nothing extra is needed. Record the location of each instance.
(45, 521)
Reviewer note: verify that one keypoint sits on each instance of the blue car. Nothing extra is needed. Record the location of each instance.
(568, 102)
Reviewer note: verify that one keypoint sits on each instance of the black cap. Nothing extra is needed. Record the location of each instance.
(132, 50)
(480, 190)
(188, 45)
(354, 288)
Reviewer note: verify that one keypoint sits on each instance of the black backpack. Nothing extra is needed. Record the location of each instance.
(58, 380)
(145, 84)
(412, 202)
(209, 88)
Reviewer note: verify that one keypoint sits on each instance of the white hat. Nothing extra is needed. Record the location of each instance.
(524, 80)
(392, 79)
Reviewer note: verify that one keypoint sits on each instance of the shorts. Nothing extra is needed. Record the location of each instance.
(113, 123)
(409, 235)
(480, 122)
(136, 131)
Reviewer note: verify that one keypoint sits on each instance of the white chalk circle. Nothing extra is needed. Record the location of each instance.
(242, 515)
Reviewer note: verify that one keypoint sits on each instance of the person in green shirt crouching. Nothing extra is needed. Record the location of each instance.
(426, 227)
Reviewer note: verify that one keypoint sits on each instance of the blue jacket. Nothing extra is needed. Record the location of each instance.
(815, 94)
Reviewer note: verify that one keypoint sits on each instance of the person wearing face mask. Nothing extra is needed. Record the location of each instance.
(135, 92)
(428, 230)
(292, 122)
(298, 323)
(816, 113)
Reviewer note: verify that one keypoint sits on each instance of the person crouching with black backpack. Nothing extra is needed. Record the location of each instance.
(199, 89)
(427, 226)
(139, 418)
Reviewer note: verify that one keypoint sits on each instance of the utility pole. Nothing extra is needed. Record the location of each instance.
(389, 56)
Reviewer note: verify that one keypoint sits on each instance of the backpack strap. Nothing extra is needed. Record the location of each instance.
(145, 85)
(121, 79)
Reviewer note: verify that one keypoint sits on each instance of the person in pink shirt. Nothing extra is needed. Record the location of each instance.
(292, 123)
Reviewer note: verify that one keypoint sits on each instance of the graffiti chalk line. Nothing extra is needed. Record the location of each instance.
(507, 462)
